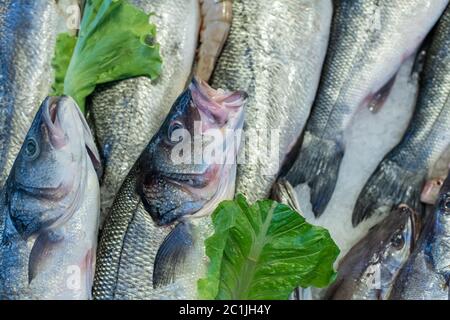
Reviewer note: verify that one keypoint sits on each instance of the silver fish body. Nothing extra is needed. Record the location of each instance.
(426, 275)
(127, 114)
(274, 52)
(369, 41)
(369, 269)
(51, 206)
(400, 176)
(27, 41)
(152, 245)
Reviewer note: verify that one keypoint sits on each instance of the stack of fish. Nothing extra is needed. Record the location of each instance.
(293, 71)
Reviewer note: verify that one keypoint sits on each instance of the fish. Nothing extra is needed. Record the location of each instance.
(369, 41)
(125, 115)
(152, 244)
(214, 30)
(400, 176)
(369, 269)
(426, 275)
(51, 205)
(27, 42)
(274, 52)
(430, 191)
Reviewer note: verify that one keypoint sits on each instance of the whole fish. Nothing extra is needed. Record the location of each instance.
(426, 275)
(400, 176)
(127, 114)
(51, 206)
(27, 41)
(152, 243)
(275, 51)
(369, 41)
(216, 23)
(369, 269)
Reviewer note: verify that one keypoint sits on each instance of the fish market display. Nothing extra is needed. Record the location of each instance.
(152, 243)
(369, 269)
(27, 41)
(274, 52)
(51, 208)
(216, 23)
(426, 275)
(400, 176)
(127, 114)
(369, 41)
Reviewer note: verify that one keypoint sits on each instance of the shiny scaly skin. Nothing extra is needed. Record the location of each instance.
(266, 56)
(127, 114)
(128, 248)
(426, 275)
(160, 195)
(427, 137)
(369, 269)
(369, 41)
(27, 41)
(67, 270)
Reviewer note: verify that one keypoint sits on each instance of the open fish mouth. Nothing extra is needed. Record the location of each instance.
(218, 107)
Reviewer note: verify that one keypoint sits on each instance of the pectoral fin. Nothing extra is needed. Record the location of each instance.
(42, 252)
(171, 256)
(380, 97)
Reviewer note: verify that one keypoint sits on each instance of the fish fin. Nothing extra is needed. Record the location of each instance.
(283, 192)
(43, 248)
(389, 186)
(379, 98)
(317, 165)
(172, 253)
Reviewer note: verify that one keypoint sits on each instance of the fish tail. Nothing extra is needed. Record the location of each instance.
(389, 186)
(317, 165)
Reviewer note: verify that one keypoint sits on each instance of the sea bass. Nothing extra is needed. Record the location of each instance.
(426, 275)
(51, 206)
(152, 243)
(27, 41)
(369, 41)
(400, 176)
(127, 114)
(369, 269)
(274, 52)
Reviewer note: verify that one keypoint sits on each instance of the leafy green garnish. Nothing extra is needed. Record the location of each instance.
(264, 251)
(116, 41)
(65, 44)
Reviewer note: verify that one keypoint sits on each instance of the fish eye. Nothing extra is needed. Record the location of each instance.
(174, 125)
(447, 205)
(398, 241)
(31, 148)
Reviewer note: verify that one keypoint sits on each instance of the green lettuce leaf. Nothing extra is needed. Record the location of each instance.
(116, 41)
(264, 251)
(65, 44)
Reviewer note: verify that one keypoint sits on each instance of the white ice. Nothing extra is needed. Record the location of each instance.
(369, 137)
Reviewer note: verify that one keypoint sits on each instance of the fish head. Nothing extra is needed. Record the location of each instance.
(443, 203)
(391, 244)
(46, 180)
(192, 159)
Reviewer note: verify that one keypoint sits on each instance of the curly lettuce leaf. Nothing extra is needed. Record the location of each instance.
(264, 251)
(116, 41)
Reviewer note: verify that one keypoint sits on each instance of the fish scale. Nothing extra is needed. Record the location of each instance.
(401, 174)
(265, 56)
(27, 42)
(368, 43)
(128, 113)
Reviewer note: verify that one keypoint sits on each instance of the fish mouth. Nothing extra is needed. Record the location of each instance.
(220, 108)
(53, 114)
(58, 113)
(414, 222)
